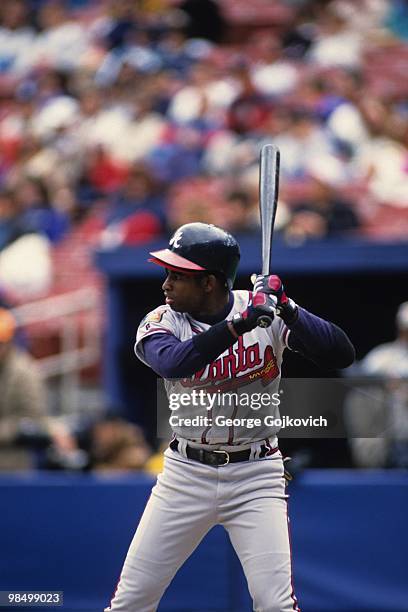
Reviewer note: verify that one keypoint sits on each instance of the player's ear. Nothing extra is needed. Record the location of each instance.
(209, 282)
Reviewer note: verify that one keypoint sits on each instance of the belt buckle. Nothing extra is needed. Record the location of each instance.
(227, 457)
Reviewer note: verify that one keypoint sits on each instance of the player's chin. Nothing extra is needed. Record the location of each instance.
(179, 307)
(174, 305)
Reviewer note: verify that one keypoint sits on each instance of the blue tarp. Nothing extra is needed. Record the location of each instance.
(70, 533)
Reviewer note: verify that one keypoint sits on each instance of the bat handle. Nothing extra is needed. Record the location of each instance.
(264, 321)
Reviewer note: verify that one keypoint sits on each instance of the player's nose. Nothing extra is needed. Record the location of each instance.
(166, 285)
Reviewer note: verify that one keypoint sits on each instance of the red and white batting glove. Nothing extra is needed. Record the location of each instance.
(257, 314)
(272, 285)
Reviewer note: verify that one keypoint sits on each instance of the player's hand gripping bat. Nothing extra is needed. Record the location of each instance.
(268, 202)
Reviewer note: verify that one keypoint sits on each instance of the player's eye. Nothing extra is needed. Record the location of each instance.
(173, 276)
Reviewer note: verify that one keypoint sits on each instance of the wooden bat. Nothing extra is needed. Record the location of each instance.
(268, 202)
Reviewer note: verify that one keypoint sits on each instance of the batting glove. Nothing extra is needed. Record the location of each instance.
(260, 313)
(272, 285)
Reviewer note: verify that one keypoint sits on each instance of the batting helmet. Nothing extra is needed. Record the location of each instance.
(200, 247)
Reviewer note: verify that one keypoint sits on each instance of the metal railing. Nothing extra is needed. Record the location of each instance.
(79, 345)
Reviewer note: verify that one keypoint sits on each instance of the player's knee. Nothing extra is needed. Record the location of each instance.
(271, 589)
(137, 593)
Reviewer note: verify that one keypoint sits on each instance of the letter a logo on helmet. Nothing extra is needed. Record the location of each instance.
(200, 247)
(175, 239)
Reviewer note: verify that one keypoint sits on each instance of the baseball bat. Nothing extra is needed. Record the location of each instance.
(268, 202)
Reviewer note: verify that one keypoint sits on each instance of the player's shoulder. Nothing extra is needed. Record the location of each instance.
(159, 314)
(156, 315)
(162, 317)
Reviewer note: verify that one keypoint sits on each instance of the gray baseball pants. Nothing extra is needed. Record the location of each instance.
(248, 498)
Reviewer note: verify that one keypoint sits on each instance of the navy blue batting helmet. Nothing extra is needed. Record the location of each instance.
(201, 247)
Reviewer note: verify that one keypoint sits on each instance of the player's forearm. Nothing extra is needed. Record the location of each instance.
(172, 358)
(321, 341)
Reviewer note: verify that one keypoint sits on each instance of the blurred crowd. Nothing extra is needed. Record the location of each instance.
(145, 114)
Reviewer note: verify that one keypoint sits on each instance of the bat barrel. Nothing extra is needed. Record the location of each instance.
(268, 199)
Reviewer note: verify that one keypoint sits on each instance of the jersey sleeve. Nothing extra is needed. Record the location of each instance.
(159, 321)
(280, 334)
(321, 341)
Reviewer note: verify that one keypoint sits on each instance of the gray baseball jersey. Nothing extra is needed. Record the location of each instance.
(241, 387)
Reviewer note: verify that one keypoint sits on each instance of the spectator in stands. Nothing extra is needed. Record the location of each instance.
(179, 154)
(137, 193)
(22, 396)
(11, 225)
(91, 109)
(193, 207)
(189, 200)
(14, 15)
(324, 213)
(302, 140)
(250, 108)
(17, 35)
(135, 58)
(236, 212)
(25, 425)
(206, 94)
(300, 33)
(102, 125)
(145, 128)
(62, 41)
(381, 410)
(174, 52)
(116, 444)
(272, 74)
(344, 119)
(367, 17)
(119, 23)
(381, 160)
(25, 266)
(37, 211)
(136, 213)
(47, 84)
(390, 359)
(204, 19)
(102, 175)
(337, 43)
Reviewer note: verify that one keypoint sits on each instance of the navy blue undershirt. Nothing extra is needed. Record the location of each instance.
(316, 339)
(221, 315)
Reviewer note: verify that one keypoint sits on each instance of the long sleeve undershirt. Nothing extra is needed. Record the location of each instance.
(316, 339)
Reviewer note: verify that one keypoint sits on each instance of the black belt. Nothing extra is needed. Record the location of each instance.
(218, 458)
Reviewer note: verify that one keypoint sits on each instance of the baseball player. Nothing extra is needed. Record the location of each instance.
(218, 469)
